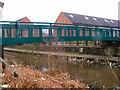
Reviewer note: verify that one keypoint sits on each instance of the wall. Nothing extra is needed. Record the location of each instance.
(61, 19)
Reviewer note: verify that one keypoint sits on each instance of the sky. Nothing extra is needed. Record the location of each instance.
(49, 10)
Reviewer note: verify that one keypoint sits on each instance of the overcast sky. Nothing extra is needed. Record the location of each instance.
(49, 10)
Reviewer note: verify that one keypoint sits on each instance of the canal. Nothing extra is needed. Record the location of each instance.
(94, 75)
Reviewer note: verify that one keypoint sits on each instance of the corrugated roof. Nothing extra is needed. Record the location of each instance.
(90, 20)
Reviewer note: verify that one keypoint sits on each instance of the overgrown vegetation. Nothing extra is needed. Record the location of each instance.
(32, 77)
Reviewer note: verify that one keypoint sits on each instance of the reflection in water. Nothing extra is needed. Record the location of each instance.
(89, 74)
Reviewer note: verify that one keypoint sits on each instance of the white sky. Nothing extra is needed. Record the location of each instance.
(49, 10)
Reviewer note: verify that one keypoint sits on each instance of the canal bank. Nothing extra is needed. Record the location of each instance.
(102, 76)
(81, 49)
(86, 71)
(65, 54)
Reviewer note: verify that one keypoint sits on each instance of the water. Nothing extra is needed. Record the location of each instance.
(94, 73)
(88, 74)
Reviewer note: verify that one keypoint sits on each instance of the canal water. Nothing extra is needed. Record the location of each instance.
(102, 75)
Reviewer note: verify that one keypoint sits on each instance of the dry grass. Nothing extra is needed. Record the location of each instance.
(33, 78)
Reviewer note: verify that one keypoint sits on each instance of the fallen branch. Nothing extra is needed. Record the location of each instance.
(112, 68)
(93, 85)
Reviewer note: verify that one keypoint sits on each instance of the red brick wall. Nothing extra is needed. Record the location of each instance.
(61, 19)
(25, 19)
(25, 31)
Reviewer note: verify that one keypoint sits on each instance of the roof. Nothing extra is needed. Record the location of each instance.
(24, 19)
(21, 19)
(90, 20)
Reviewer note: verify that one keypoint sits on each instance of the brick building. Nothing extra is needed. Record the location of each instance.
(24, 19)
(25, 31)
(72, 18)
(13, 31)
(85, 20)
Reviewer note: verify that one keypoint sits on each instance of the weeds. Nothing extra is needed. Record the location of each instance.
(110, 64)
(32, 78)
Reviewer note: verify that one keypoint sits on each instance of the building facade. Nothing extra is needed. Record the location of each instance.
(13, 31)
(71, 18)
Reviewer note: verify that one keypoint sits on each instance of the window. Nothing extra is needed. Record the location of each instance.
(71, 15)
(106, 20)
(86, 18)
(95, 19)
(112, 21)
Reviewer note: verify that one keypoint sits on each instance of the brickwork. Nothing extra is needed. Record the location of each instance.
(13, 31)
(62, 19)
(25, 19)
